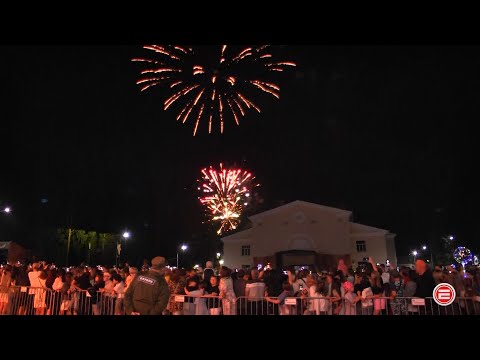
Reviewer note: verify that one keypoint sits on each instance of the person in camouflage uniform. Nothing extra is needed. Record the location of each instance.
(148, 294)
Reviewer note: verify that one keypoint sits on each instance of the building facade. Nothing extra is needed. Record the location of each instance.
(306, 234)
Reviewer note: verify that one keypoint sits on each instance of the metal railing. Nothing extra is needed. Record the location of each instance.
(24, 300)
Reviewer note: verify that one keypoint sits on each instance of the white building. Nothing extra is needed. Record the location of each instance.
(301, 233)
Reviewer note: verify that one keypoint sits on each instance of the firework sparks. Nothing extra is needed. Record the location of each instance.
(225, 194)
(198, 87)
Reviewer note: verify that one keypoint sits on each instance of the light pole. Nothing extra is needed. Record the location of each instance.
(183, 248)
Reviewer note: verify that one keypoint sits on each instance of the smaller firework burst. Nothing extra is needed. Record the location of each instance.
(225, 194)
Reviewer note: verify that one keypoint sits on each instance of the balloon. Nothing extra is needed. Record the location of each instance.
(462, 255)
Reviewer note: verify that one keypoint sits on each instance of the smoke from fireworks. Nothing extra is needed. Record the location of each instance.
(225, 194)
(210, 92)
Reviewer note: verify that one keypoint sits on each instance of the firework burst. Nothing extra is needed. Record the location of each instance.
(212, 91)
(225, 194)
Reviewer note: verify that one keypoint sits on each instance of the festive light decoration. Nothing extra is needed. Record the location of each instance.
(224, 195)
(475, 260)
(210, 91)
(462, 255)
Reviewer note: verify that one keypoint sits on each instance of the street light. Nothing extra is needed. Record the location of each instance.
(7, 210)
(183, 248)
(415, 253)
(451, 237)
(218, 255)
(424, 247)
(126, 235)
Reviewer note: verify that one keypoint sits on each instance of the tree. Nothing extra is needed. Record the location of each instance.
(79, 245)
(444, 256)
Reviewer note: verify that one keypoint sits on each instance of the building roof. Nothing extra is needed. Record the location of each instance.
(238, 235)
(356, 228)
(299, 203)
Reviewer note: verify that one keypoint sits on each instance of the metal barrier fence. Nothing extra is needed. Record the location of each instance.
(201, 305)
(23, 300)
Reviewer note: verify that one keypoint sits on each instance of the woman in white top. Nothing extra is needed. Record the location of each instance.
(319, 304)
(118, 293)
(226, 291)
(301, 281)
(350, 298)
(366, 294)
(200, 303)
(5, 282)
(40, 293)
(57, 287)
(107, 307)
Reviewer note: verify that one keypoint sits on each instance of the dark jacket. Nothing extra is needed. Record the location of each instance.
(207, 274)
(239, 287)
(425, 285)
(148, 294)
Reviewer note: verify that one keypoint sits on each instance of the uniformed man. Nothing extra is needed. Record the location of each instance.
(148, 294)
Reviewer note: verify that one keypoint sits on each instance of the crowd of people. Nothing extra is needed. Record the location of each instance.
(373, 289)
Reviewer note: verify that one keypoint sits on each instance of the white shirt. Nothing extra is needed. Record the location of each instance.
(297, 283)
(108, 287)
(57, 284)
(367, 292)
(317, 305)
(386, 277)
(255, 290)
(119, 289)
(34, 277)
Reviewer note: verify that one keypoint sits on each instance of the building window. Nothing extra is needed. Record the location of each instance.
(361, 246)
(245, 250)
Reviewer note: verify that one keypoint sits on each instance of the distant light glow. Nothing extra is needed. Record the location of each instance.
(7, 210)
(424, 247)
(184, 247)
(221, 262)
(126, 234)
(414, 252)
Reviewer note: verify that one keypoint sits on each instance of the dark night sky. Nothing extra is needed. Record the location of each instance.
(386, 132)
